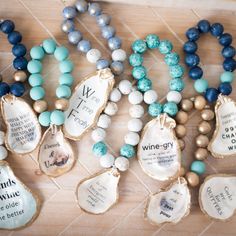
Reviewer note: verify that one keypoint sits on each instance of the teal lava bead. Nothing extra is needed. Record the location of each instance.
(49, 46)
(66, 66)
(176, 84)
(44, 118)
(66, 79)
(139, 72)
(171, 59)
(201, 85)
(37, 53)
(35, 80)
(99, 149)
(198, 167)
(34, 66)
(227, 76)
(139, 46)
(165, 47)
(127, 151)
(57, 117)
(144, 84)
(170, 108)
(155, 109)
(63, 91)
(152, 41)
(37, 93)
(176, 71)
(135, 59)
(61, 53)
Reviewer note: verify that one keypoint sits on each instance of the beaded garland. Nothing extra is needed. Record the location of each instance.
(192, 60)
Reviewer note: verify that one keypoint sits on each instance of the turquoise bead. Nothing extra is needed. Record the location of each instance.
(144, 84)
(34, 66)
(61, 53)
(139, 72)
(49, 46)
(135, 59)
(63, 91)
(170, 108)
(176, 84)
(200, 85)
(37, 93)
(198, 167)
(66, 79)
(37, 53)
(171, 59)
(57, 117)
(35, 80)
(176, 71)
(127, 151)
(99, 149)
(66, 66)
(165, 47)
(152, 41)
(227, 76)
(155, 109)
(139, 46)
(44, 118)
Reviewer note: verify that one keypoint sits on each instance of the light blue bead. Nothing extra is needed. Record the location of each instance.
(94, 9)
(66, 66)
(152, 41)
(67, 26)
(61, 53)
(198, 167)
(37, 53)
(35, 80)
(201, 85)
(114, 43)
(69, 12)
(74, 37)
(81, 6)
(172, 59)
(34, 66)
(139, 72)
(135, 59)
(155, 109)
(57, 117)
(99, 149)
(170, 108)
(227, 76)
(66, 79)
(144, 84)
(108, 32)
(37, 93)
(63, 91)
(165, 47)
(49, 46)
(127, 151)
(103, 20)
(44, 118)
(102, 64)
(117, 67)
(176, 84)
(176, 71)
(84, 46)
(139, 46)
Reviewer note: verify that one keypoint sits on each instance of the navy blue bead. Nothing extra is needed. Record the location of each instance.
(14, 37)
(204, 26)
(17, 89)
(195, 73)
(229, 64)
(217, 29)
(192, 59)
(20, 63)
(19, 50)
(4, 88)
(7, 26)
(225, 88)
(228, 52)
(190, 47)
(193, 34)
(225, 39)
(211, 94)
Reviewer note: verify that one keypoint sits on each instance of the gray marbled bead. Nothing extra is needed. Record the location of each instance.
(81, 6)
(94, 9)
(74, 37)
(69, 12)
(114, 43)
(103, 20)
(108, 31)
(102, 64)
(84, 46)
(117, 67)
(67, 26)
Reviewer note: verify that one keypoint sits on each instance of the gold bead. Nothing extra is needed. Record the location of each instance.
(201, 154)
(186, 105)
(192, 179)
(20, 76)
(181, 144)
(204, 127)
(40, 106)
(180, 131)
(62, 104)
(202, 141)
(181, 117)
(207, 114)
(199, 102)
(182, 171)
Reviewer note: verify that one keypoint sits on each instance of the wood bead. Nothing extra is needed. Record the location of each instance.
(207, 114)
(204, 127)
(181, 117)
(20, 76)
(182, 171)
(40, 106)
(192, 179)
(181, 144)
(186, 105)
(202, 141)
(199, 102)
(201, 154)
(180, 131)
(62, 104)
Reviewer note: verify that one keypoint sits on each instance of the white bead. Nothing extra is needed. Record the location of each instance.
(2, 137)
(115, 95)
(111, 108)
(174, 96)
(150, 96)
(3, 153)
(132, 138)
(93, 55)
(135, 97)
(122, 163)
(104, 121)
(118, 55)
(98, 135)
(107, 160)
(136, 111)
(125, 87)
(135, 125)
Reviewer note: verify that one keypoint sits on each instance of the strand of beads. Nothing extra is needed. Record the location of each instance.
(108, 32)
(19, 63)
(192, 59)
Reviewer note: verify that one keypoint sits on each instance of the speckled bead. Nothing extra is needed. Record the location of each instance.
(84, 46)
(117, 67)
(165, 47)
(94, 9)
(81, 6)
(139, 46)
(135, 59)
(170, 108)
(108, 32)
(69, 12)
(74, 37)
(171, 59)
(152, 41)
(176, 84)
(114, 43)
(155, 109)
(176, 71)
(144, 84)
(127, 151)
(103, 20)
(139, 72)
(99, 149)
(102, 64)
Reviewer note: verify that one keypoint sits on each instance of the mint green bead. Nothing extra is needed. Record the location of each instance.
(176, 84)
(63, 91)
(171, 59)
(198, 167)
(144, 84)
(61, 53)
(139, 46)
(44, 118)
(66, 66)
(66, 79)
(155, 109)
(37, 93)
(37, 53)
(135, 59)
(139, 72)
(35, 80)
(152, 41)
(99, 149)
(176, 71)
(170, 108)
(49, 46)
(227, 76)
(127, 151)
(201, 85)
(165, 47)
(57, 117)
(34, 66)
